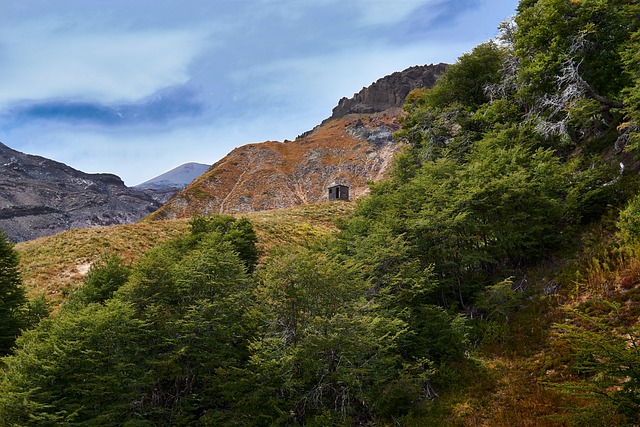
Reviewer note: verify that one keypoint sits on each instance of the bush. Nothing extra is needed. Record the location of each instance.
(629, 222)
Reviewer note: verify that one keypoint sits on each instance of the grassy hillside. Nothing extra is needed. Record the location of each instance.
(56, 264)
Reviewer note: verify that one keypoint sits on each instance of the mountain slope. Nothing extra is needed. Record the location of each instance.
(40, 197)
(354, 146)
(164, 186)
(180, 177)
(274, 175)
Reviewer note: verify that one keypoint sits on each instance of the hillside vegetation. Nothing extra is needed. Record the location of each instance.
(492, 279)
(55, 265)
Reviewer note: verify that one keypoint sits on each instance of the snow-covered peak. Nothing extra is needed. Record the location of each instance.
(178, 177)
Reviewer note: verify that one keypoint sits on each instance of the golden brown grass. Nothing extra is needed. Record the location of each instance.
(299, 225)
(55, 265)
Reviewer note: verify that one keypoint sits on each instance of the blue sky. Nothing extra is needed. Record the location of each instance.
(137, 87)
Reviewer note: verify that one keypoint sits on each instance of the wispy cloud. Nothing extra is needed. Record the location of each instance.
(136, 87)
(164, 107)
(43, 60)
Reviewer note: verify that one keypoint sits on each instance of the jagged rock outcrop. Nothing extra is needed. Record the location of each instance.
(354, 146)
(389, 92)
(40, 197)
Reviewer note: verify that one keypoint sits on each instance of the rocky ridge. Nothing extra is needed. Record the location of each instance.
(353, 146)
(388, 92)
(40, 197)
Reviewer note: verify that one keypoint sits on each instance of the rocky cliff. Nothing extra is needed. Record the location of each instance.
(390, 91)
(39, 197)
(354, 146)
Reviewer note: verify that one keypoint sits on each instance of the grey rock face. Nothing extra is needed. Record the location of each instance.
(40, 197)
(389, 92)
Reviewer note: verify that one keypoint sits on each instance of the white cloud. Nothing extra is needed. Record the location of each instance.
(263, 69)
(41, 61)
(377, 12)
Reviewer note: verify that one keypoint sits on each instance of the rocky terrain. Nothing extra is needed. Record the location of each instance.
(354, 146)
(390, 91)
(40, 197)
(270, 175)
(165, 186)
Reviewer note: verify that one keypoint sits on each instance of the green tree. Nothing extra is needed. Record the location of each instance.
(631, 128)
(562, 46)
(37, 309)
(193, 302)
(158, 352)
(239, 232)
(470, 222)
(84, 367)
(324, 354)
(104, 278)
(441, 120)
(629, 222)
(12, 295)
(465, 82)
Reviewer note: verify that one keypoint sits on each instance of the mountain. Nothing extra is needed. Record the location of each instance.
(164, 186)
(389, 91)
(40, 197)
(353, 146)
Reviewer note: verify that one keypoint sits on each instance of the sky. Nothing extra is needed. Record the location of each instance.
(138, 87)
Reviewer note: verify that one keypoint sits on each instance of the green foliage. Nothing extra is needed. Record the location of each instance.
(441, 121)
(239, 232)
(606, 360)
(467, 221)
(562, 47)
(37, 309)
(629, 222)
(325, 353)
(157, 352)
(465, 81)
(85, 367)
(631, 94)
(12, 295)
(104, 278)
(594, 189)
(499, 301)
(590, 33)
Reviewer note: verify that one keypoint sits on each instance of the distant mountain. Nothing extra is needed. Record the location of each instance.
(354, 146)
(40, 197)
(164, 186)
